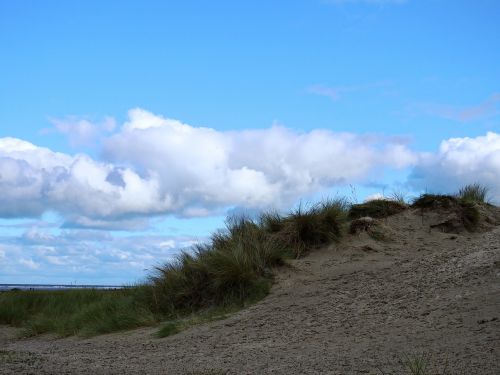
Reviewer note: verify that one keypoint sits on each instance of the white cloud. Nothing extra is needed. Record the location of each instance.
(35, 179)
(29, 263)
(155, 165)
(83, 256)
(204, 168)
(82, 131)
(374, 196)
(461, 161)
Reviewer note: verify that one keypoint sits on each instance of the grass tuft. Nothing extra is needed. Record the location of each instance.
(434, 201)
(169, 329)
(473, 193)
(376, 208)
(465, 204)
(307, 228)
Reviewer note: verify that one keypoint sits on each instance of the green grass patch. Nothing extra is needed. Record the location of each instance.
(473, 193)
(175, 326)
(74, 312)
(169, 329)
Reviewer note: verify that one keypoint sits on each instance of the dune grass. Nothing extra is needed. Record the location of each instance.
(74, 312)
(473, 193)
(418, 364)
(235, 268)
(237, 264)
(377, 208)
(465, 203)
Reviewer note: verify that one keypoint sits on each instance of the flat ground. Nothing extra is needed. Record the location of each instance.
(354, 308)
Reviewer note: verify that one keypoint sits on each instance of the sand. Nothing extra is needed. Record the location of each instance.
(354, 308)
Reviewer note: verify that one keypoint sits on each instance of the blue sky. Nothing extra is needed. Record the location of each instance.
(129, 129)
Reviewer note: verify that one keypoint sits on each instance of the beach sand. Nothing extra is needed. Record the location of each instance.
(356, 307)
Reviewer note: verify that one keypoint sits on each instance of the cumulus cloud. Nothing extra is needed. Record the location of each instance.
(35, 179)
(461, 161)
(205, 168)
(154, 165)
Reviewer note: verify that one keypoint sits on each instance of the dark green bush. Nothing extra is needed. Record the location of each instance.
(433, 201)
(377, 208)
(465, 209)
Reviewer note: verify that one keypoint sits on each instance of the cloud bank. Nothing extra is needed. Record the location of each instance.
(461, 161)
(154, 165)
(83, 256)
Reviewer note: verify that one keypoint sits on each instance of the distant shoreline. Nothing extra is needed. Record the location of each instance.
(10, 287)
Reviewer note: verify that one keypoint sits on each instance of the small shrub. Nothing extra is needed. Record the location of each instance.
(169, 329)
(433, 201)
(377, 208)
(467, 212)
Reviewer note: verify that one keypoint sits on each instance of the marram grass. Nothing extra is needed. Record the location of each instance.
(233, 269)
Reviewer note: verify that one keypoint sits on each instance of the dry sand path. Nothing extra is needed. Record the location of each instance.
(349, 309)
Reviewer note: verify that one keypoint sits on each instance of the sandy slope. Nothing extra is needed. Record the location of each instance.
(349, 309)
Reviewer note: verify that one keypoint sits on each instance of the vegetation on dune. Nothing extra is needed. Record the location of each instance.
(81, 311)
(234, 269)
(236, 265)
(231, 271)
(418, 364)
(473, 193)
(468, 194)
(434, 201)
(465, 204)
(376, 208)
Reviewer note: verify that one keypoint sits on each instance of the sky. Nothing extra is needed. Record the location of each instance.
(129, 130)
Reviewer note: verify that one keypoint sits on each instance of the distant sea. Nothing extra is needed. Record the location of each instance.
(7, 287)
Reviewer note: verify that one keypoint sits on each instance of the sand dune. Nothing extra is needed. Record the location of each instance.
(354, 308)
